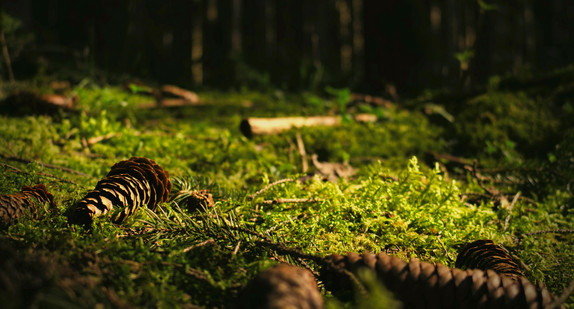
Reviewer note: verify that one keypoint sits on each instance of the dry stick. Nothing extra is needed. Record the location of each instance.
(263, 126)
(444, 248)
(201, 244)
(236, 248)
(560, 231)
(252, 196)
(564, 296)
(475, 175)
(302, 152)
(510, 211)
(97, 139)
(522, 264)
(483, 195)
(291, 200)
(65, 169)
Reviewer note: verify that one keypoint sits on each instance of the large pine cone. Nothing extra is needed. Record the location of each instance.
(282, 286)
(424, 285)
(14, 206)
(485, 254)
(130, 184)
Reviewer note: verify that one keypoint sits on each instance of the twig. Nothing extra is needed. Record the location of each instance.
(201, 244)
(19, 171)
(444, 248)
(302, 152)
(97, 139)
(564, 296)
(308, 267)
(65, 169)
(474, 172)
(522, 264)
(560, 231)
(291, 200)
(198, 274)
(252, 196)
(510, 211)
(489, 196)
(236, 248)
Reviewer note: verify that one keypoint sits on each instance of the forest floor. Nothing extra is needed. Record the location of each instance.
(430, 175)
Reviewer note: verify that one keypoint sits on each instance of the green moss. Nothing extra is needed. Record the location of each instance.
(394, 203)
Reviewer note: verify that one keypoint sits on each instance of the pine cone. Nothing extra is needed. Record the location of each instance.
(198, 199)
(14, 206)
(282, 286)
(484, 255)
(424, 285)
(130, 184)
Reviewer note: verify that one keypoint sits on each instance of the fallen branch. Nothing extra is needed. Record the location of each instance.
(201, 244)
(369, 99)
(560, 231)
(189, 96)
(262, 126)
(179, 97)
(252, 196)
(97, 139)
(31, 102)
(291, 200)
(302, 152)
(489, 196)
(510, 211)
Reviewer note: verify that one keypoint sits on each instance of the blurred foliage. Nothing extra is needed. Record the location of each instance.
(506, 124)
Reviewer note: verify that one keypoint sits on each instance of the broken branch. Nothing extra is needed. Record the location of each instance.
(262, 126)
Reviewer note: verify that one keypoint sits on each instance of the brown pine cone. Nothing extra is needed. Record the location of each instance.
(130, 184)
(14, 206)
(282, 286)
(424, 285)
(485, 254)
(197, 200)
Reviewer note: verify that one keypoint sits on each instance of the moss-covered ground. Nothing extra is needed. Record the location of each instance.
(430, 175)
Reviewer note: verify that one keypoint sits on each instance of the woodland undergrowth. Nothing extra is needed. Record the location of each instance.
(405, 197)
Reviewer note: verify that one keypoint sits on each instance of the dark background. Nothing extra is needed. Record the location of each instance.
(368, 45)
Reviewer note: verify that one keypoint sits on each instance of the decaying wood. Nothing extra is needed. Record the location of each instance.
(369, 99)
(168, 96)
(262, 126)
(33, 103)
(189, 96)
